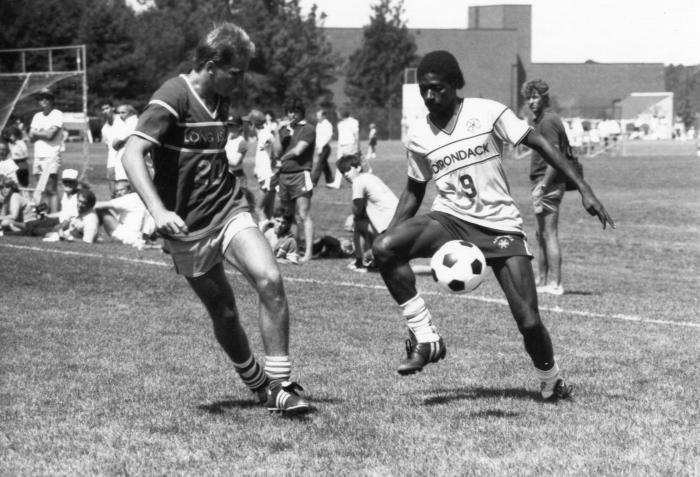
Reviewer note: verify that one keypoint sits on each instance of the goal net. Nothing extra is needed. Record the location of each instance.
(25, 71)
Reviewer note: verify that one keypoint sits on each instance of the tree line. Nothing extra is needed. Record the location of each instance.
(130, 54)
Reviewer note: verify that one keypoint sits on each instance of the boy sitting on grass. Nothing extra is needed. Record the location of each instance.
(373, 206)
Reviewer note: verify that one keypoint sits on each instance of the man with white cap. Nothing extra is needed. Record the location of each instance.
(45, 132)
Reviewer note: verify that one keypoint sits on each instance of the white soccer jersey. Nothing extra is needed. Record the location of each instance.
(464, 160)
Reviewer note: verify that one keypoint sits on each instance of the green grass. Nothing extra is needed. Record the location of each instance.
(109, 365)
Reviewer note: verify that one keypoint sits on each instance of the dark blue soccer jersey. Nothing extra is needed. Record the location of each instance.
(191, 169)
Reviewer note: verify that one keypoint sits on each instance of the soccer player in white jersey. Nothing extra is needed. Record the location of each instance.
(459, 146)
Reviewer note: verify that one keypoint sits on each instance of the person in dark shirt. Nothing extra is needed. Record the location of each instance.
(295, 185)
(548, 187)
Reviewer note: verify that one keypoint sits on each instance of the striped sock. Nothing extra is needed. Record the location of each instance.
(278, 368)
(251, 373)
(418, 320)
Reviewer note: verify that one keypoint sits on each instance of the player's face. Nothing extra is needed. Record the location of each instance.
(227, 77)
(438, 95)
(352, 173)
(535, 102)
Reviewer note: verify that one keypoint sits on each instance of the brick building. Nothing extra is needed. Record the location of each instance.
(495, 54)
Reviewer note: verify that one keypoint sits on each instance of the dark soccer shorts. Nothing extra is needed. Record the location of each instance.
(493, 243)
(293, 185)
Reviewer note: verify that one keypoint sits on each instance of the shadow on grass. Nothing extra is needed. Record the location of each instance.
(459, 394)
(221, 407)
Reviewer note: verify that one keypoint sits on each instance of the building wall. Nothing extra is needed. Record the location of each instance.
(497, 39)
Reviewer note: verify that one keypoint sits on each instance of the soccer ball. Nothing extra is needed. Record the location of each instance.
(458, 266)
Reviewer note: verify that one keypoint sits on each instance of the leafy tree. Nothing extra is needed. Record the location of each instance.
(106, 27)
(375, 70)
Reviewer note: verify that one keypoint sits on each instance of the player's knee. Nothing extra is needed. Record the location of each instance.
(382, 249)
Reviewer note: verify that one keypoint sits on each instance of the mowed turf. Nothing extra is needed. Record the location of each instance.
(110, 367)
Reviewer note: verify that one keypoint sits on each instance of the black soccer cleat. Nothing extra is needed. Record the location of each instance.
(283, 397)
(557, 390)
(420, 354)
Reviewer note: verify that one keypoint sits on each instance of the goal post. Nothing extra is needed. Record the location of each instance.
(25, 71)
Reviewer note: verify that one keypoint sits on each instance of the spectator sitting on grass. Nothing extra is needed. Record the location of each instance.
(278, 233)
(83, 226)
(16, 209)
(125, 217)
(373, 206)
(8, 168)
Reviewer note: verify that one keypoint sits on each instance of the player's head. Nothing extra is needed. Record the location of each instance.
(224, 53)
(536, 92)
(86, 200)
(439, 78)
(321, 114)
(349, 166)
(295, 109)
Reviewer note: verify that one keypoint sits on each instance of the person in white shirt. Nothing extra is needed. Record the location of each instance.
(236, 149)
(373, 206)
(124, 125)
(348, 141)
(46, 132)
(112, 123)
(125, 217)
(324, 134)
(266, 150)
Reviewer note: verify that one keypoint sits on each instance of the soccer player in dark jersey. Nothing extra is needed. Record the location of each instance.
(548, 186)
(200, 210)
(458, 146)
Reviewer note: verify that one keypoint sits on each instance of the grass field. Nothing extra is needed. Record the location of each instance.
(110, 367)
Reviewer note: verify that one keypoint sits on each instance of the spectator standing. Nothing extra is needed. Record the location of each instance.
(199, 208)
(373, 206)
(547, 186)
(111, 126)
(295, 186)
(46, 132)
(19, 152)
(371, 146)
(324, 135)
(236, 149)
(123, 128)
(266, 149)
(348, 141)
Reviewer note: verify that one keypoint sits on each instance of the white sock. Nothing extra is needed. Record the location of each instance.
(548, 376)
(419, 321)
(278, 368)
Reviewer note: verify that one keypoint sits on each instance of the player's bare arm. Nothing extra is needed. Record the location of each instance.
(134, 162)
(554, 158)
(409, 202)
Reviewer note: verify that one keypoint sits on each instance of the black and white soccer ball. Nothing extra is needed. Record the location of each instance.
(458, 266)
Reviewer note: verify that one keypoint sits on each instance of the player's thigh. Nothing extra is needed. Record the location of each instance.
(213, 288)
(252, 255)
(419, 236)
